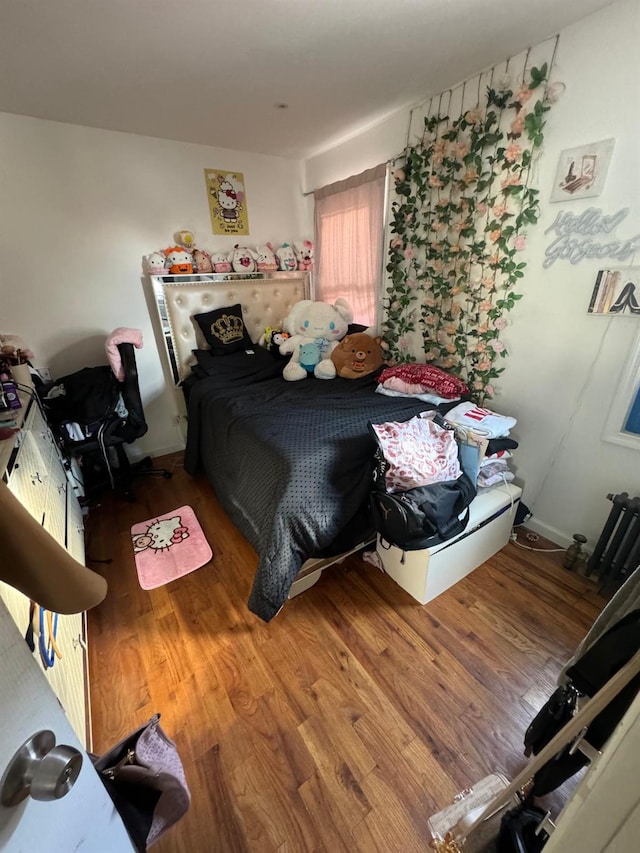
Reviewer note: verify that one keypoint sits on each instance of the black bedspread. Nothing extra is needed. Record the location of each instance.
(289, 461)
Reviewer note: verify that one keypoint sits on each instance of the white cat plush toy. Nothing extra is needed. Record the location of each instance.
(265, 258)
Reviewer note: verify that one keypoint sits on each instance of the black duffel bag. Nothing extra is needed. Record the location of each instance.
(424, 516)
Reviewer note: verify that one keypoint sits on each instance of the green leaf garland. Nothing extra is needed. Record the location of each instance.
(461, 205)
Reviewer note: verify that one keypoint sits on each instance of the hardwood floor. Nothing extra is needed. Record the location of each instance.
(348, 720)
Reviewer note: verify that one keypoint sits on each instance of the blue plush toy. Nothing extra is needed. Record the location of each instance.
(309, 356)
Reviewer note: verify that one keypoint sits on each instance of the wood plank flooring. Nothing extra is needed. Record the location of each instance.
(348, 720)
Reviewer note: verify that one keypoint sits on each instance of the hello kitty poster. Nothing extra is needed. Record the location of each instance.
(168, 547)
(227, 202)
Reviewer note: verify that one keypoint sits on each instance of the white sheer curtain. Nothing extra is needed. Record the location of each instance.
(349, 233)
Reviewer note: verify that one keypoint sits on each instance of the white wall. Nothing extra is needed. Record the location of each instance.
(564, 365)
(80, 207)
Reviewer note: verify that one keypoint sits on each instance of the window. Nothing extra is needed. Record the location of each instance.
(349, 233)
(623, 423)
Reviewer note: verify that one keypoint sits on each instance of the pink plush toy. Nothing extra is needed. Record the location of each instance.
(304, 254)
(220, 262)
(202, 260)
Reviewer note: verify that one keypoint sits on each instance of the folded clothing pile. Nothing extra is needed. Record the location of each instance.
(491, 433)
(423, 382)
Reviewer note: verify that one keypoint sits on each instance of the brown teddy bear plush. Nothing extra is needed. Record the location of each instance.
(357, 355)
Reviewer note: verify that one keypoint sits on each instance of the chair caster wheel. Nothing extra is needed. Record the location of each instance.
(167, 475)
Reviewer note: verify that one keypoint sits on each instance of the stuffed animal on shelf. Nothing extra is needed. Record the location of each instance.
(179, 260)
(357, 355)
(185, 239)
(202, 260)
(314, 323)
(241, 259)
(265, 258)
(304, 254)
(220, 262)
(286, 258)
(155, 263)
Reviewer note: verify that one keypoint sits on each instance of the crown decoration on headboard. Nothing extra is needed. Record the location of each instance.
(228, 328)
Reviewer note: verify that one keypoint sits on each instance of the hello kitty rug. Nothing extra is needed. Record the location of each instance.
(169, 547)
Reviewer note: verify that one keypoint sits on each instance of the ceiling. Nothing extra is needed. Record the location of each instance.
(211, 71)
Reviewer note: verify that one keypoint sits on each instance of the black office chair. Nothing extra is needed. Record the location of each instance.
(121, 424)
(134, 426)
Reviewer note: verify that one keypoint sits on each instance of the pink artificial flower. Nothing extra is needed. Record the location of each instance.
(455, 309)
(494, 236)
(499, 210)
(512, 153)
(481, 347)
(403, 343)
(523, 94)
(481, 208)
(483, 328)
(494, 260)
(429, 300)
(461, 149)
(396, 243)
(517, 125)
(484, 365)
(409, 217)
(433, 353)
(485, 305)
(520, 242)
(434, 181)
(411, 283)
(470, 176)
(511, 181)
(500, 323)
(409, 253)
(450, 348)
(450, 329)
(497, 346)
(437, 225)
(490, 391)
(478, 384)
(473, 116)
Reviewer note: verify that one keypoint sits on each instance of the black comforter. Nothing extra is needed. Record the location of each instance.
(289, 461)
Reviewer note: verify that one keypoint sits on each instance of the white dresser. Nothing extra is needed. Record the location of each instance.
(34, 471)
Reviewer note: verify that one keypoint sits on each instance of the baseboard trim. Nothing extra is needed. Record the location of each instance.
(551, 533)
(134, 454)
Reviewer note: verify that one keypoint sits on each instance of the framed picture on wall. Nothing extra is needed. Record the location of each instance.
(582, 171)
(616, 292)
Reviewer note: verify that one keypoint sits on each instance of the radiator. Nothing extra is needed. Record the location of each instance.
(617, 552)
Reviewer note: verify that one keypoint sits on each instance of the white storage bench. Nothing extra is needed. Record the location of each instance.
(425, 574)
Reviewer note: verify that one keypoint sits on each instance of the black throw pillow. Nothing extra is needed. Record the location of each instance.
(224, 330)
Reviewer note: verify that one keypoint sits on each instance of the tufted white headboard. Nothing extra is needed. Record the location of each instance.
(266, 299)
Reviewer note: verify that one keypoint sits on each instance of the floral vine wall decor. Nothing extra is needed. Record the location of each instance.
(462, 204)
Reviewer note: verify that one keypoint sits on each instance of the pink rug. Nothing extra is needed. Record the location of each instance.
(168, 547)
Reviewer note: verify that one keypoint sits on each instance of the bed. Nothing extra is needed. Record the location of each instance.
(290, 462)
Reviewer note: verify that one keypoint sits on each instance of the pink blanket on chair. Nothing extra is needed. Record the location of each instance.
(121, 335)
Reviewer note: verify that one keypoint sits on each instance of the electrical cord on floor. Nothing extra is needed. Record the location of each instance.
(533, 537)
